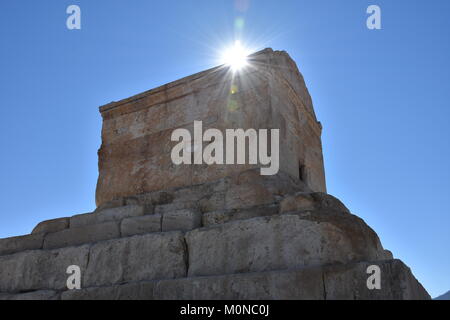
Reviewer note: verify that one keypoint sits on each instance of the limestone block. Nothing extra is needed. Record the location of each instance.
(197, 192)
(137, 201)
(174, 206)
(364, 240)
(35, 295)
(21, 243)
(140, 225)
(184, 220)
(331, 282)
(151, 200)
(110, 214)
(300, 202)
(349, 282)
(111, 204)
(83, 219)
(279, 242)
(303, 201)
(325, 201)
(388, 254)
(207, 197)
(82, 235)
(40, 269)
(53, 225)
(242, 196)
(146, 257)
(161, 197)
(132, 291)
(287, 285)
(223, 216)
(249, 189)
(290, 285)
(212, 202)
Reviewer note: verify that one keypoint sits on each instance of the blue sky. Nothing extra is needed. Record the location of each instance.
(381, 95)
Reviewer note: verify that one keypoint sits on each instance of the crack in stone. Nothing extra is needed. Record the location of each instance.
(186, 254)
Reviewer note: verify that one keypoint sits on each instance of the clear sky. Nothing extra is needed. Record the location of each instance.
(381, 95)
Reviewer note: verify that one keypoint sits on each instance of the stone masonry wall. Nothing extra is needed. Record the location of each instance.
(162, 231)
(270, 94)
(202, 242)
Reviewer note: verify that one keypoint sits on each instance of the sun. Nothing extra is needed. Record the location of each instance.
(235, 57)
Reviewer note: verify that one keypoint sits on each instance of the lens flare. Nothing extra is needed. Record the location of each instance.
(235, 57)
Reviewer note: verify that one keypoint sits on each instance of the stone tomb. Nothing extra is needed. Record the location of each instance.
(135, 156)
(162, 231)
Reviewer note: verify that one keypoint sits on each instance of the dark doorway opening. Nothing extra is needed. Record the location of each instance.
(302, 172)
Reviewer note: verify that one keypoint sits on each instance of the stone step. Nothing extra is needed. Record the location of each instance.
(133, 219)
(224, 216)
(112, 214)
(239, 190)
(82, 235)
(146, 257)
(281, 242)
(53, 225)
(253, 245)
(166, 213)
(34, 295)
(91, 228)
(21, 243)
(333, 282)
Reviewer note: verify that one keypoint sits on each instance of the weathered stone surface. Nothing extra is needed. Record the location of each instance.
(82, 235)
(349, 282)
(299, 284)
(40, 269)
(111, 214)
(53, 225)
(280, 242)
(299, 202)
(304, 201)
(209, 196)
(135, 154)
(146, 257)
(35, 295)
(111, 204)
(132, 291)
(289, 285)
(174, 206)
(223, 216)
(249, 189)
(141, 225)
(154, 266)
(83, 219)
(242, 190)
(183, 220)
(388, 255)
(334, 282)
(17, 244)
(160, 198)
(362, 237)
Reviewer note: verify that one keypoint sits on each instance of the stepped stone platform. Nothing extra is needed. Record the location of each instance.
(200, 243)
(166, 231)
